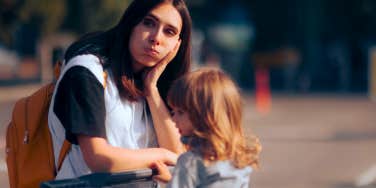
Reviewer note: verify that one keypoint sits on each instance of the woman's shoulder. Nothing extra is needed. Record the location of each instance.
(91, 43)
(89, 62)
(83, 58)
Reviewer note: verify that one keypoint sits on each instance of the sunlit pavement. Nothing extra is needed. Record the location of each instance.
(315, 141)
(309, 141)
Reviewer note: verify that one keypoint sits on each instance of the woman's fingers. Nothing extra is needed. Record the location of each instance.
(172, 53)
(164, 62)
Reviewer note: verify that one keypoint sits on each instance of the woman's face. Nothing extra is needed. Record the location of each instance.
(155, 36)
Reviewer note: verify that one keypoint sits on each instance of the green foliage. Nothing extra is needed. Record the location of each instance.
(50, 13)
(103, 14)
(95, 14)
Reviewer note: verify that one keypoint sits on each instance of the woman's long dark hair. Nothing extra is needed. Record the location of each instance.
(112, 47)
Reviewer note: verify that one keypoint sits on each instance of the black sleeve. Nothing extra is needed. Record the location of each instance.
(79, 104)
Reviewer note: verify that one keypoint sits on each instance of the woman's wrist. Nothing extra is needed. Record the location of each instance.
(152, 91)
(169, 157)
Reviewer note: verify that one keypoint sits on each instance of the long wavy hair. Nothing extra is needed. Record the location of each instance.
(112, 47)
(214, 106)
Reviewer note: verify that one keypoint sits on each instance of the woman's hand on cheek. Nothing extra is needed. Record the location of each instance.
(152, 75)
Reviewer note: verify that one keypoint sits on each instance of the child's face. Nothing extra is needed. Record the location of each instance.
(183, 123)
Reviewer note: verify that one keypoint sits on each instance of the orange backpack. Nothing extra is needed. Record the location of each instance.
(29, 150)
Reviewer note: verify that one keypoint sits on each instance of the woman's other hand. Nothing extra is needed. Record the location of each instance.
(170, 158)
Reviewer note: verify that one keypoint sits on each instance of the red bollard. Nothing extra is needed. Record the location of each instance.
(263, 96)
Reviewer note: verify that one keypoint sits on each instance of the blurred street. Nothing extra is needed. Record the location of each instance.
(315, 141)
(309, 141)
(317, 58)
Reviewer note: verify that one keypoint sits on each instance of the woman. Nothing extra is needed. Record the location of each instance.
(120, 121)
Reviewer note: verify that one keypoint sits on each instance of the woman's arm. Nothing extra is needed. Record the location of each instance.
(102, 157)
(167, 134)
(80, 107)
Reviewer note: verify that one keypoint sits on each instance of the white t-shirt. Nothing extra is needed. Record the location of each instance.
(80, 105)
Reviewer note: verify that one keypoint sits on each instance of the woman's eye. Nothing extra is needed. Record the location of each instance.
(170, 32)
(172, 113)
(180, 112)
(148, 22)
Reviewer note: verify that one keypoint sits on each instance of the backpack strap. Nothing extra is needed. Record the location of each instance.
(63, 153)
(105, 79)
(57, 69)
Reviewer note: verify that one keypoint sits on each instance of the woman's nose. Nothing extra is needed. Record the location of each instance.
(155, 37)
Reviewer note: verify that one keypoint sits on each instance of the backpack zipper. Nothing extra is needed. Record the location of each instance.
(26, 134)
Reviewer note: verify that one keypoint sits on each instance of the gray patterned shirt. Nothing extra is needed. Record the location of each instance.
(190, 171)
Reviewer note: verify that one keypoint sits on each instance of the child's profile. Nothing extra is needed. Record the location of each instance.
(207, 109)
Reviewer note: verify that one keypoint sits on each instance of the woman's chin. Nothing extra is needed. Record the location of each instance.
(139, 66)
(148, 62)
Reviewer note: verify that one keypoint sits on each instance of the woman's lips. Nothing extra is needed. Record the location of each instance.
(151, 52)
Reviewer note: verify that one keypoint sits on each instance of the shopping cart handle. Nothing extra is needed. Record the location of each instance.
(102, 179)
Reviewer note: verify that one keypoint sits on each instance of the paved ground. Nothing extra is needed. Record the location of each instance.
(316, 141)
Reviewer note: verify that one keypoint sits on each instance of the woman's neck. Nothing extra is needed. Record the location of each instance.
(137, 67)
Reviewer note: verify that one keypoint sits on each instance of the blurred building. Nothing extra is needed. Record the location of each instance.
(306, 45)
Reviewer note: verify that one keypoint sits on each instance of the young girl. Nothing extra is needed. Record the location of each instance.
(207, 109)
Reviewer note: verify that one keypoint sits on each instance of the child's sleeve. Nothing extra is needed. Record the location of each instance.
(184, 175)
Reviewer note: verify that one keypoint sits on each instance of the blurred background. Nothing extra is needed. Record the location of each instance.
(305, 46)
(307, 70)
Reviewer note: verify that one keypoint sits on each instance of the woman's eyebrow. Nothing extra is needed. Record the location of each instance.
(152, 16)
(159, 20)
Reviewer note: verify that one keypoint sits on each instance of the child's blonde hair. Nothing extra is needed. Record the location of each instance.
(214, 106)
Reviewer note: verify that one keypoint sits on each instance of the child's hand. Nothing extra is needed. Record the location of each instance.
(164, 174)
